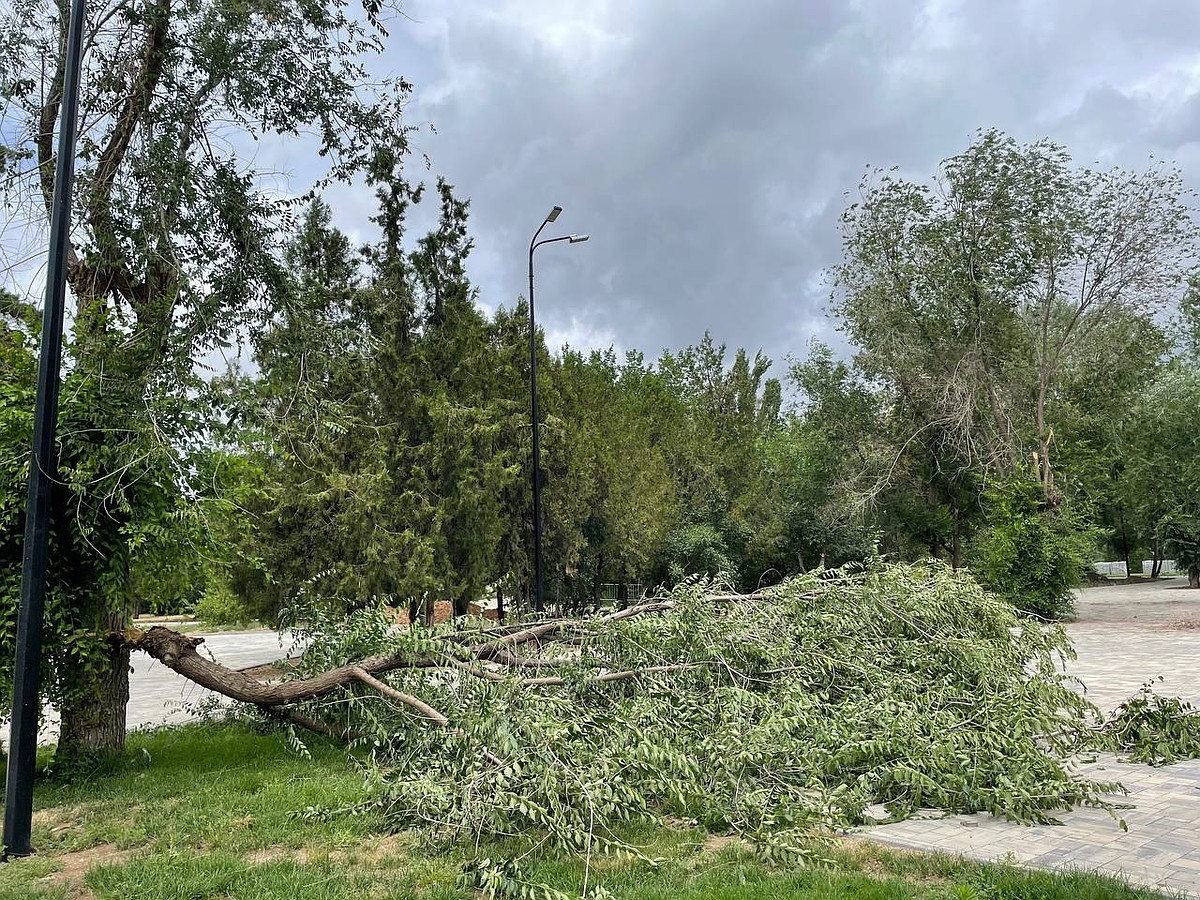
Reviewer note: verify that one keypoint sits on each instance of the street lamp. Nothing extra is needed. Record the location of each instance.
(27, 660)
(538, 596)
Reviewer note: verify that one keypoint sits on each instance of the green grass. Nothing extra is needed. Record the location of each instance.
(210, 811)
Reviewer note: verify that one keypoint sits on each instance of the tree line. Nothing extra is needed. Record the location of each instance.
(1015, 401)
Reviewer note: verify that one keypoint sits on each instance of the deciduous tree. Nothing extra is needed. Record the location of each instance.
(172, 254)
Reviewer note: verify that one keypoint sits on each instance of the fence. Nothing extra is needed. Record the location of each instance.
(610, 591)
(1117, 569)
(1167, 567)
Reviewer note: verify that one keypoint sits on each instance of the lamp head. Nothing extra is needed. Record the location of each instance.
(554, 214)
(578, 238)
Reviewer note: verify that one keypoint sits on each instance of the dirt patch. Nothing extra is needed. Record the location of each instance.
(369, 852)
(56, 819)
(715, 843)
(392, 845)
(274, 854)
(75, 866)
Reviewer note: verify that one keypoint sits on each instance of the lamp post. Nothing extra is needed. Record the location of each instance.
(539, 603)
(27, 662)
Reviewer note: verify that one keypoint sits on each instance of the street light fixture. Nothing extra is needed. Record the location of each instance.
(27, 660)
(539, 602)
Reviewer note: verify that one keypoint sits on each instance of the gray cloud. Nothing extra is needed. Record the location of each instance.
(707, 146)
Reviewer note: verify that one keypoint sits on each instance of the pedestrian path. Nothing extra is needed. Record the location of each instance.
(1115, 661)
(1126, 635)
(1161, 849)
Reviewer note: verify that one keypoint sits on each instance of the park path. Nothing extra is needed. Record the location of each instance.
(1124, 636)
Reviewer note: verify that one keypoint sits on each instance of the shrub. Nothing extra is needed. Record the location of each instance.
(698, 549)
(219, 606)
(1028, 553)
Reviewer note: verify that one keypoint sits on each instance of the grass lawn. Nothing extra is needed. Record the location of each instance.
(209, 811)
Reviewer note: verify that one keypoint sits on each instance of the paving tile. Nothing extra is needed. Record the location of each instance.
(1162, 845)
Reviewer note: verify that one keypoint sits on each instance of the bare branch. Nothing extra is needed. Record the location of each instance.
(407, 699)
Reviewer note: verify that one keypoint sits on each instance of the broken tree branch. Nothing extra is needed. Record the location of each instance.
(387, 690)
(479, 654)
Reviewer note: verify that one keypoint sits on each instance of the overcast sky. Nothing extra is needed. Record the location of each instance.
(708, 145)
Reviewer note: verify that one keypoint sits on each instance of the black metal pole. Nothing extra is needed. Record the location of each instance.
(538, 598)
(22, 755)
(539, 603)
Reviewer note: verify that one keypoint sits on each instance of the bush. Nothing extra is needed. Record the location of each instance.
(219, 606)
(1029, 554)
(698, 549)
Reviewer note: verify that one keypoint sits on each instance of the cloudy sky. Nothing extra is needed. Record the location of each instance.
(708, 146)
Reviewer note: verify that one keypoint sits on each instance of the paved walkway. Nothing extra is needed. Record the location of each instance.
(1124, 636)
(1161, 848)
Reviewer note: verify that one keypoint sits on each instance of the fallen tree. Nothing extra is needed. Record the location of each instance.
(772, 715)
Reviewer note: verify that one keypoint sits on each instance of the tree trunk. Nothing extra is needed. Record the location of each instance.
(622, 594)
(420, 610)
(1194, 578)
(956, 542)
(1124, 541)
(481, 654)
(934, 543)
(93, 717)
(1156, 566)
(1045, 434)
(500, 602)
(596, 582)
